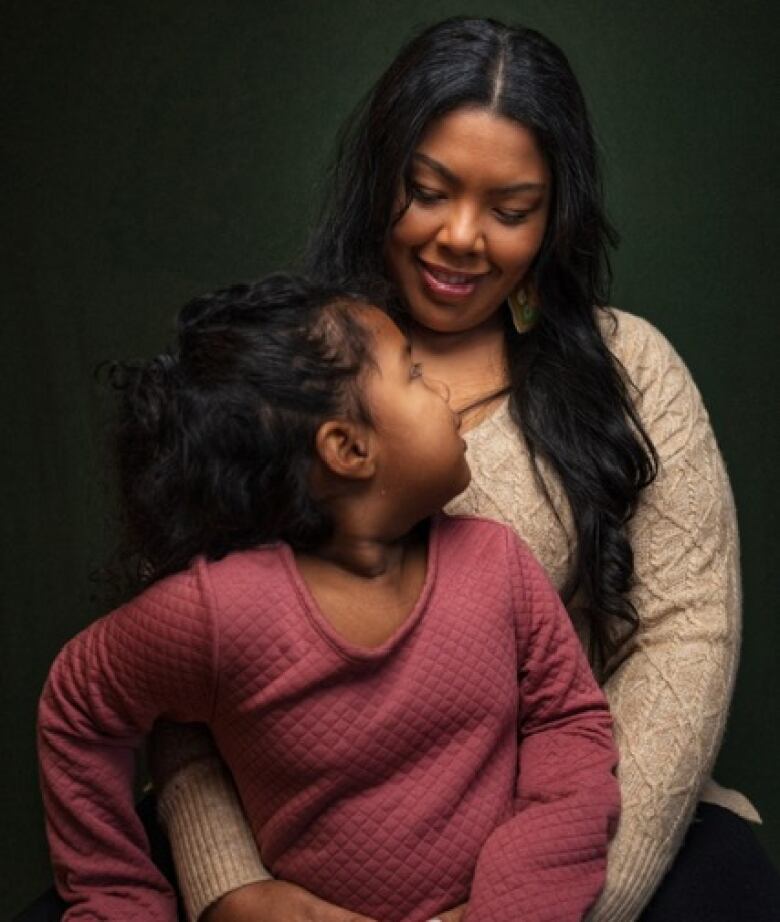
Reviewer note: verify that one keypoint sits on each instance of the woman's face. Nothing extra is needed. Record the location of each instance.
(480, 199)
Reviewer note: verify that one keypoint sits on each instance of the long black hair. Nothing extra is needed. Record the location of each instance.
(215, 436)
(569, 395)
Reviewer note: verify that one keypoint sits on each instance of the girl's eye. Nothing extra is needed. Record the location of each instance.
(510, 217)
(416, 370)
(425, 195)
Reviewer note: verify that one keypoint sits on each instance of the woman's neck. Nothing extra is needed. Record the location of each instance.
(472, 364)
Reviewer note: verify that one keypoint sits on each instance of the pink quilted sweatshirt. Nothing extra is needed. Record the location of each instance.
(469, 757)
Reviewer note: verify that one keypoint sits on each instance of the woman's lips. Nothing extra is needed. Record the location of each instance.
(447, 283)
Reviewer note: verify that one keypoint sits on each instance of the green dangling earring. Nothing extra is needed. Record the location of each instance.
(524, 312)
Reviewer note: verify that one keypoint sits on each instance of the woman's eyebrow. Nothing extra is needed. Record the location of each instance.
(500, 190)
(435, 165)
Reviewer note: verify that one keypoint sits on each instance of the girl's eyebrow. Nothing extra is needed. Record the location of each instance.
(500, 190)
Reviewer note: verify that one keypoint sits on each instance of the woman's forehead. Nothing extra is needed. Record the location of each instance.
(480, 142)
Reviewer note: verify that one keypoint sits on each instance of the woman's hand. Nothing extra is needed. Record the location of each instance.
(278, 901)
(452, 915)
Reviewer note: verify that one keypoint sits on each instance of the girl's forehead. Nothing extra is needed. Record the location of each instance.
(384, 331)
(378, 322)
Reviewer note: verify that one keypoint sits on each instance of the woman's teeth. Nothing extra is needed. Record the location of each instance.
(442, 282)
(450, 278)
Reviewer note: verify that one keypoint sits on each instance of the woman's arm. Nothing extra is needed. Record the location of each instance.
(548, 862)
(155, 655)
(213, 846)
(669, 697)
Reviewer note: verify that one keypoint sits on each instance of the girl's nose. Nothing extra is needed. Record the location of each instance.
(438, 387)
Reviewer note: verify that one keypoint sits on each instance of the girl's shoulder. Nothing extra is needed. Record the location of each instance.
(236, 577)
(457, 526)
(478, 536)
(232, 577)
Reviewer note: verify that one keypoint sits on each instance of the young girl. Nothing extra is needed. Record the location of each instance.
(407, 713)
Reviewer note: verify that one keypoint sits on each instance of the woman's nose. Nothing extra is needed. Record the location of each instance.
(461, 231)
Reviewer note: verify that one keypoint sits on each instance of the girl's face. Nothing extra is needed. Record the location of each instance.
(480, 199)
(420, 453)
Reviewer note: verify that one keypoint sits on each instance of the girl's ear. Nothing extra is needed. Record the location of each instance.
(346, 449)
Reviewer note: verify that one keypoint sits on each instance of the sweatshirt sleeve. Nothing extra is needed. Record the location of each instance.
(154, 656)
(548, 862)
(670, 694)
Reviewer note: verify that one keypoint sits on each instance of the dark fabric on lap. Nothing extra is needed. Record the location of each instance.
(47, 908)
(722, 874)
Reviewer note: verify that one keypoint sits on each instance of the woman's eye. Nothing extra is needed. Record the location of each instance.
(507, 216)
(416, 370)
(425, 195)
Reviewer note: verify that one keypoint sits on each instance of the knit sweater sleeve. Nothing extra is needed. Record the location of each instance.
(213, 847)
(156, 655)
(547, 863)
(669, 695)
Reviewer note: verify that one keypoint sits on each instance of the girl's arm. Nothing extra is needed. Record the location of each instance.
(548, 862)
(670, 696)
(155, 655)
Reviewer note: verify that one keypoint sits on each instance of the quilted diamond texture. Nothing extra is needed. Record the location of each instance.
(103, 694)
(388, 781)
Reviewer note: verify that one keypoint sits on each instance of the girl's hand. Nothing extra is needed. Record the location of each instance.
(278, 901)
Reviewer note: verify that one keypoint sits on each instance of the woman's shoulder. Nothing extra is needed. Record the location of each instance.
(659, 382)
(641, 348)
(652, 364)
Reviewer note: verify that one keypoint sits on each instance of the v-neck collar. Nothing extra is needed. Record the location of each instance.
(324, 626)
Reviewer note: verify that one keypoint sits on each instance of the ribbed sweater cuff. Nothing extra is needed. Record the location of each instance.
(630, 890)
(212, 845)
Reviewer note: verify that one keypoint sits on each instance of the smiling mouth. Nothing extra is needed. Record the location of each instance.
(447, 282)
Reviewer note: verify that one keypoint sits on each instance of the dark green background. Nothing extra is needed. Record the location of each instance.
(154, 150)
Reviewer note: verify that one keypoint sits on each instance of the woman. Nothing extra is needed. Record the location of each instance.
(470, 179)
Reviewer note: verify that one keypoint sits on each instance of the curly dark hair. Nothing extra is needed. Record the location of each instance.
(570, 398)
(215, 436)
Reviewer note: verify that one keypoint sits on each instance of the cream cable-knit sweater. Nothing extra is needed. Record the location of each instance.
(670, 690)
